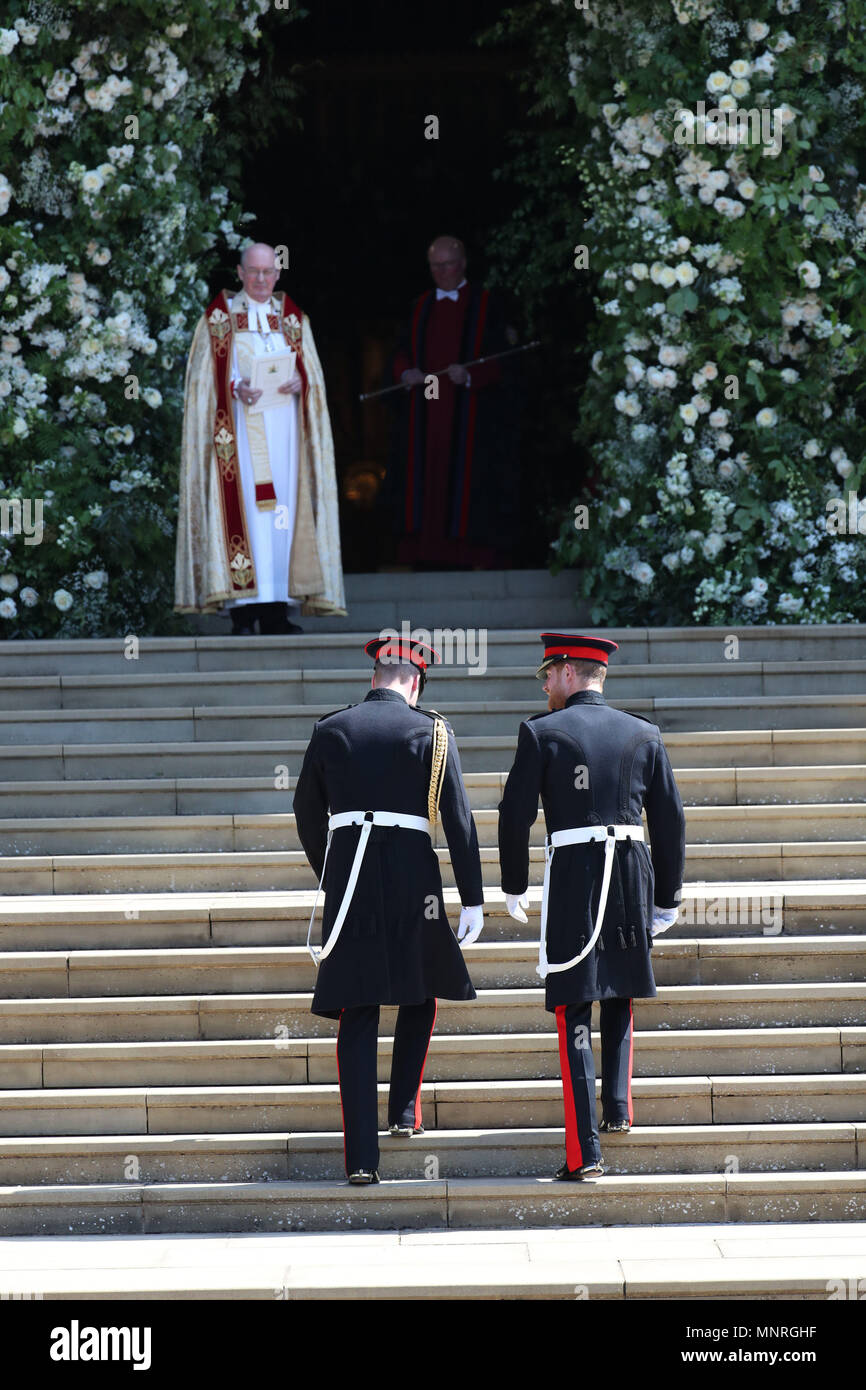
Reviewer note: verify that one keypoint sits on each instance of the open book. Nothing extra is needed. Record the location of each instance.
(267, 374)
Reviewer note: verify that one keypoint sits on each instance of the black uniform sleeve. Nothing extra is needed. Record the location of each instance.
(310, 805)
(459, 826)
(518, 811)
(667, 828)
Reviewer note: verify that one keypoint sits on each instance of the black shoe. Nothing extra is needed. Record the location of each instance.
(589, 1170)
(404, 1131)
(362, 1177)
(614, 1127)
(274, 621)
(244, 620)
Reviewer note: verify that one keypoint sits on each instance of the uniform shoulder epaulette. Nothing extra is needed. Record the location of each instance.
(323, 717)
(434, 714)
(635, 715)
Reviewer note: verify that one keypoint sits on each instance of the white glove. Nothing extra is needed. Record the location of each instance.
(517, 903)
(471, 922)
(663, 917)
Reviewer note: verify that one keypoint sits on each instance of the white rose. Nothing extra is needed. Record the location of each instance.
(686, 273)
(757, 30)
(29, 597)
(809, 274)
(623, 507)
(766, 418)
(718, 419)
(642, 572)
(726, 469)
(688, 414)
(639, 270)
(844, 468)
(7, 608)
(718, 82)
(95, 579)
(747, 188)
(62, 600)
(8, 583)
(152, 397)
(811, 449)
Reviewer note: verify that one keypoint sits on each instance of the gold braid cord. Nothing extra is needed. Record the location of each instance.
(437, 770)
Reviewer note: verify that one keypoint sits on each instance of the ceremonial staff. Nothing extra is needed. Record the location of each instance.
(476, 362)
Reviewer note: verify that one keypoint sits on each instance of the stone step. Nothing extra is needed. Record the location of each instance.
(239, 833)
(271, 870)
(717, 687)
(279, 761)
(279, 1156)
(452, 1057)
(103, 921)
(126, 800)
(790, 1260)
(497, 1105)
(222, 1017)
(783, 645)
(262, 711)
(456, 1203)
(492, 965)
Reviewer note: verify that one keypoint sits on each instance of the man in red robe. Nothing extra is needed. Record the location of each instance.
(452, 482)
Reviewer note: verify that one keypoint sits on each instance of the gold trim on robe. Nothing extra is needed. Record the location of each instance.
(211, 566)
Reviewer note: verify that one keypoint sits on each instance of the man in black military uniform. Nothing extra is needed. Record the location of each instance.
(605, 895)
(378, 768)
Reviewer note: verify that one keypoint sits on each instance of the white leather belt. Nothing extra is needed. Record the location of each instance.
(578, 835)
(366, 820)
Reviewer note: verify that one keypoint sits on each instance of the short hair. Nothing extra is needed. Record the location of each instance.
(386, 672)
(592, 670)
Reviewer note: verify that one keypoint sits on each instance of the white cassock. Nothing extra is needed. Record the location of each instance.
(270, 542)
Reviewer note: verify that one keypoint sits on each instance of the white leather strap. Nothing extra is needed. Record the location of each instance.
(366, 820)
(578, 835)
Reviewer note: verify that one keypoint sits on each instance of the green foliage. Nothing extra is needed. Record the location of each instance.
(121, 149)
(723, 413)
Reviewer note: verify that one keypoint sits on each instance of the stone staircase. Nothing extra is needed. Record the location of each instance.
(160, 1071)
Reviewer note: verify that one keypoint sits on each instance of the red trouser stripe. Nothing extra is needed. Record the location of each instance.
(423, 1065)
(573, 1155)
(342, 1111)
(630, 1058)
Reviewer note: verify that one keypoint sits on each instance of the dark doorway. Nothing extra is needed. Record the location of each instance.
(359, 192)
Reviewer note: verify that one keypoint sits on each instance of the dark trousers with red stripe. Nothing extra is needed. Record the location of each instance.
(356, 1069)
(582, 1144)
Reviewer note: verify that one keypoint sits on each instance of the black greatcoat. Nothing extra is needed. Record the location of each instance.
(396, 946)
(628, 769)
